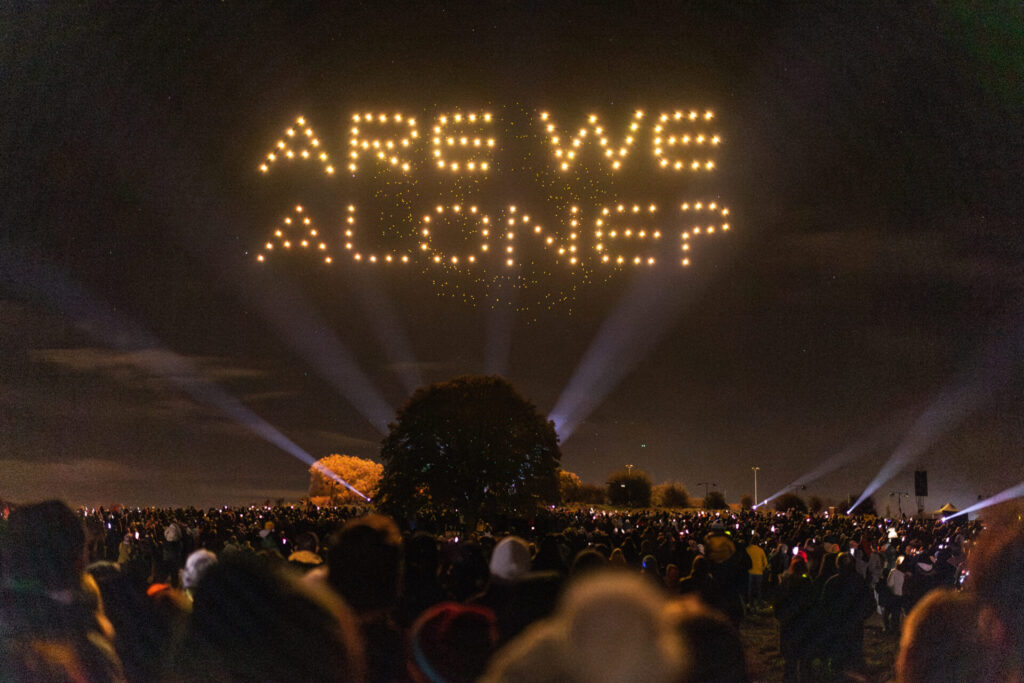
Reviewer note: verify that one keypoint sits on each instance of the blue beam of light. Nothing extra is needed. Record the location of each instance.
(305, 331)
(390, 332)
(854, 451)
(639, 321)
(953, 405)
(498, 334)
(36, 280)
(1009, 494)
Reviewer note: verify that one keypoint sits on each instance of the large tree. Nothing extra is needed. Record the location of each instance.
(715, 500)
(628, 488)
(468, 447)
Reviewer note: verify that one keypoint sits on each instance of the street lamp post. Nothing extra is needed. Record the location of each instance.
(899, 499)
(756, 499)
(629, 490)
(706, 485)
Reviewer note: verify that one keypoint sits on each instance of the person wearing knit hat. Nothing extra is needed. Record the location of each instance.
(197, 564)
(510, 560)
(452, 643)
(517, 595)
(610, 627)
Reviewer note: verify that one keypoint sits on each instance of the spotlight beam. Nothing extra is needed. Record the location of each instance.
(1009, 494)
(386, 325)
(859, 449)
(103, 323)
(302, 328)
(953, 405)
(498, 340)
(639, 321)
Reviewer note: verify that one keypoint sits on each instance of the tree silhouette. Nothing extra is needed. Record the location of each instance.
(471, 446)
(790, 501)
(569, 484)
(629, 488)
(715, 501)
(671, 496)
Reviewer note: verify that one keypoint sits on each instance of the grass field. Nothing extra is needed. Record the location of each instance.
(760, 633)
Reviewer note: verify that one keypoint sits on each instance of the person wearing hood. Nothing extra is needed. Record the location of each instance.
(517, 595)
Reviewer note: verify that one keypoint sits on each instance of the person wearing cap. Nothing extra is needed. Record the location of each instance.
(452, 643)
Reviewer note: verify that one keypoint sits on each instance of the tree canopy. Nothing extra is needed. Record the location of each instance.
(715, 500)
(361, 474)
(569, 484)
(671, 495)
(629, 488)
(790, 501)
(469, 446)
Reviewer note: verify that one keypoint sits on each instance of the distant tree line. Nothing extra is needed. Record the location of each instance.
(473, 448)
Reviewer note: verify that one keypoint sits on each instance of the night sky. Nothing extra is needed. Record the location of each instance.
(867, 301)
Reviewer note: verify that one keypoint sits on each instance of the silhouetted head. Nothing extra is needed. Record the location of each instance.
(45, 545)
(251, 621)
(941, 642)
(365, 562)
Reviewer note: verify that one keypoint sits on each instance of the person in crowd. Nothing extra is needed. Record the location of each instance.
(868, 561)
(465, 573)
(997, 570)
(891, 599)
(52, 626)
(702, 583)
(452, 642)
(671, 578)
(462, 568)
(364, 565)
(649, 567)
(550, 555)
(173, 553)
(778, 563)
(587, 560)
(305, 555)
(254, 621)
(755, 575)
(610, 627)
(847, 602)
(729, 568)
(796, 611)
(942, 642)
(144, 626)
(517, 595)
(716, 650)
(197, 564)
(920, 578)
(421, 585)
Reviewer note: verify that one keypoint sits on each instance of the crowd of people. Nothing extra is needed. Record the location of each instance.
(341, 593)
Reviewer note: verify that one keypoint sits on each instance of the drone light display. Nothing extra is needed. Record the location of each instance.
(479, 200)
